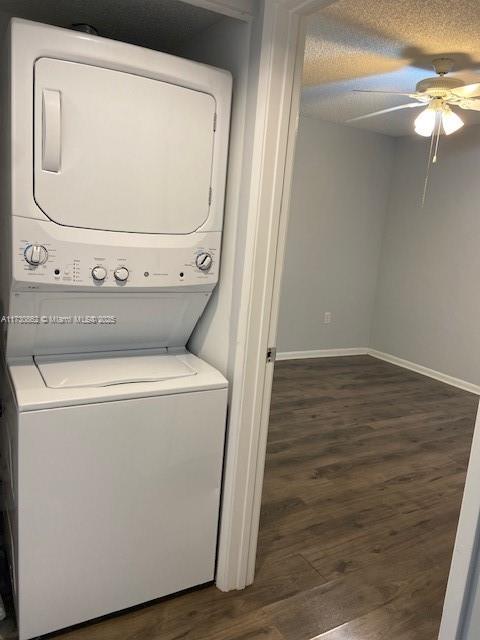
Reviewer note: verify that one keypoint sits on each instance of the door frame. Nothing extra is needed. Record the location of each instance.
(466, 550)
(278, 78)
(279, 47)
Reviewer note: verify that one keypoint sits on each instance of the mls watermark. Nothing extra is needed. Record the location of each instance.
(93, 320)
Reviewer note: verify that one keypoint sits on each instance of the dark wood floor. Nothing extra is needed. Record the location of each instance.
(365, 471)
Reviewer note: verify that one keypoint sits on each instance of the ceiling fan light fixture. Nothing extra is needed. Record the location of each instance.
(425, 122)
(451, 121)
(436, 94)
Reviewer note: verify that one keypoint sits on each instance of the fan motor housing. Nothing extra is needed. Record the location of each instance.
(438, 86)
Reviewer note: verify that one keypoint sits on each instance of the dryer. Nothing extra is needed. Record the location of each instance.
(112, 211)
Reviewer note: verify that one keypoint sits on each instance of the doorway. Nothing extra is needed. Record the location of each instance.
(373, 407)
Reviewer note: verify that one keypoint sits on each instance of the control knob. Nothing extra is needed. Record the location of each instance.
(121, 274)
(204, 261)
(35, 254)
(99, 273)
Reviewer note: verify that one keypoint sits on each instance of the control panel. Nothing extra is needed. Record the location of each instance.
(43, 259)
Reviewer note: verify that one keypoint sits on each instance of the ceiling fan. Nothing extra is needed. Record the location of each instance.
(437, 94)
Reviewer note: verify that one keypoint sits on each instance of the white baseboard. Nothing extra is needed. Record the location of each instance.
(321, 353)
(400, 362)
(425, 371)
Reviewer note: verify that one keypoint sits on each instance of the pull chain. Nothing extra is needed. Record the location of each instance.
(432, 154)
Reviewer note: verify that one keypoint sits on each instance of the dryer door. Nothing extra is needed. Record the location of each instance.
(120, 152)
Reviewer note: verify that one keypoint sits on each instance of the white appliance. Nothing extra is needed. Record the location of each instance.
(114, 162)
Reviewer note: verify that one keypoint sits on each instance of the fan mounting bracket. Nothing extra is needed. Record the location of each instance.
(442, 66)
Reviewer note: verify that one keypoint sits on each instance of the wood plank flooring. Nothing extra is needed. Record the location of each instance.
(364, 476)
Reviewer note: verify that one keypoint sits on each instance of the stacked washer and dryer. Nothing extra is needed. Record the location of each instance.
(113, 433)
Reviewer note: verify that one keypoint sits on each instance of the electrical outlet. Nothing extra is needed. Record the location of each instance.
(327, 317)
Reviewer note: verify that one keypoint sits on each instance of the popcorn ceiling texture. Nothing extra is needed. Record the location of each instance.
(156, 24)
(388, 45)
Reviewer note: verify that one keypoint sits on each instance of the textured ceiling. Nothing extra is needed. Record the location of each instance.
(385, 45)
(156, 24)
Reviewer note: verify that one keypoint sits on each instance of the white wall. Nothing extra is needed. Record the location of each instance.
(356, 195)
(339, 197)
(428, 303)
(226, 44)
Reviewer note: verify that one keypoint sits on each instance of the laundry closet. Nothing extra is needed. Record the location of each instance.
(123, 160)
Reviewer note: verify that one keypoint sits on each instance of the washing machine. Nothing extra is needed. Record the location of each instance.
(112, 213)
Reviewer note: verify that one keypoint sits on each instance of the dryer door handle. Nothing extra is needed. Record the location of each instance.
(52, 130)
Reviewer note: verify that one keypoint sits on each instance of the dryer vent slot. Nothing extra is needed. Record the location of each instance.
(85, 28)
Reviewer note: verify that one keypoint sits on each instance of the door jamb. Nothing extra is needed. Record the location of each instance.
(292, 127)
(466, 549)
(276, 108)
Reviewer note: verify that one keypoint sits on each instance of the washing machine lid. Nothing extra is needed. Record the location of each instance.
(116, 151)
(69, 372)
(31, 393)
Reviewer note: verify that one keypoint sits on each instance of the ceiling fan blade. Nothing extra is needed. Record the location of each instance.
(468, 91)
(388, 93)
(409, 105)
(469, 104)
